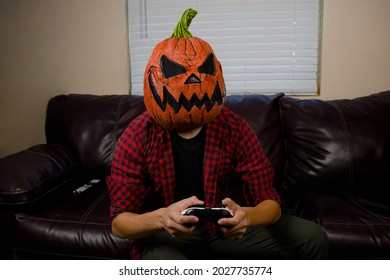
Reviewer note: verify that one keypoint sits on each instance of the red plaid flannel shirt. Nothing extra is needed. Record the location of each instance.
(143, 166)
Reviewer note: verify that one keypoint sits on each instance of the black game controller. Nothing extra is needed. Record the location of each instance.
(208, 214)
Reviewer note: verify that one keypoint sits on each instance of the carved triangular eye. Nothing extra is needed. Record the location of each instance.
(208, 66)
(170, 68)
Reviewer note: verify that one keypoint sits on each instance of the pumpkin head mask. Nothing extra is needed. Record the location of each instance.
(183, 83)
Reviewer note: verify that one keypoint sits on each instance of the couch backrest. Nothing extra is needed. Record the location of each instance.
(339, 143)
(91, 125)
(329, 143)
(261, 112)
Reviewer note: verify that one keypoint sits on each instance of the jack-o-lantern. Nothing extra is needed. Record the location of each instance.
(183, 82)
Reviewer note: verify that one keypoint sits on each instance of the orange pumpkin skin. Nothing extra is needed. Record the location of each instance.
(183, 84)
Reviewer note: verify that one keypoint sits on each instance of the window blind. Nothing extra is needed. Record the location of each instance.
(264, 46)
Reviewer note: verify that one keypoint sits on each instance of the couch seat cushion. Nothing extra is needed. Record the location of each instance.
(354, 231)
(69, 227)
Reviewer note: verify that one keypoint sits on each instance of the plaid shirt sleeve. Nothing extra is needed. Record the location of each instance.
(126, 189)
(256, 169)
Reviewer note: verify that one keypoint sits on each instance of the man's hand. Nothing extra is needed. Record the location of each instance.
(177, 224)
(233, 227)
(263, 214)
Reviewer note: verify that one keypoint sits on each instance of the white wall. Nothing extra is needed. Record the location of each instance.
(49, 47)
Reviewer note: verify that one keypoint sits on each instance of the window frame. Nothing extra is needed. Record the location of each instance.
(315, 92)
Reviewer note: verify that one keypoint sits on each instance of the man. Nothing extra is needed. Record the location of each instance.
(181, 153)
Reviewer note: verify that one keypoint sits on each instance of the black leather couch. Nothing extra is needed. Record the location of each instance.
(332, 163)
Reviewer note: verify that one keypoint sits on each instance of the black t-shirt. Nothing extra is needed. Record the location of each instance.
(188, 161)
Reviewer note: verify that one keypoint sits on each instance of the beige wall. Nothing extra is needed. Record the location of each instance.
(49, 47)
(355, 48)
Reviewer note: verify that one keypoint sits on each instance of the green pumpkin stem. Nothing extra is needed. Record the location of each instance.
(181, 30)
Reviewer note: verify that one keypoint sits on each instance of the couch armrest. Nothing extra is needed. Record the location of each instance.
(31, 174)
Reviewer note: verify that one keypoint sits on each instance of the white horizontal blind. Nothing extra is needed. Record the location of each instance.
(264, 46)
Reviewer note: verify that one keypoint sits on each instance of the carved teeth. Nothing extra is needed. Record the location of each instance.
(183, 101)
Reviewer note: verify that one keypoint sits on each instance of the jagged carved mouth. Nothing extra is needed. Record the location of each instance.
(168, 99)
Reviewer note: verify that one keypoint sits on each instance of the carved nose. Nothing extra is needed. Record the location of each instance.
(193, 79)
